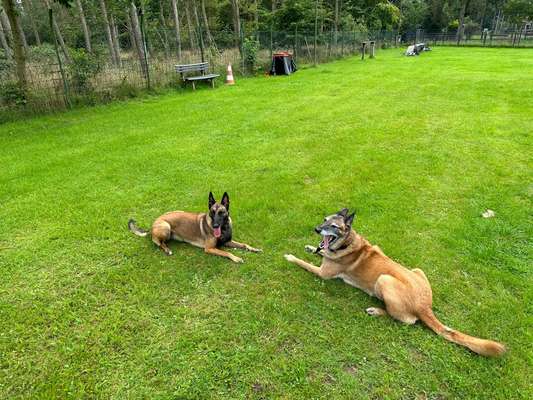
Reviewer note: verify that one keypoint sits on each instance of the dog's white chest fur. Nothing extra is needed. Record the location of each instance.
(352, 282)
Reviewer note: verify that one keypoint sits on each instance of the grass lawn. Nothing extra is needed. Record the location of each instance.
(418, 146)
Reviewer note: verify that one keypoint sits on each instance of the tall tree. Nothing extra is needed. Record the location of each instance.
(336, 24)
(4, 21)
(21, 30)
(18, 47)
(114, 36)
(206, 25)
(139, 42)
(236, 21)
(163, 22)
(29, 9)
(176, 27)
(461, 27)
(84, 27)
(5, 45)
(189, 23)
(108, 33)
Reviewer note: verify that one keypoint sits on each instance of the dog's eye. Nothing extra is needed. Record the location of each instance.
(335, 226)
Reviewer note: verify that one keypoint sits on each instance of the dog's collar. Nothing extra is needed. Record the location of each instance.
(346, 244)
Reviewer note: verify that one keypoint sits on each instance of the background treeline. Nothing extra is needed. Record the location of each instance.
(62, 46)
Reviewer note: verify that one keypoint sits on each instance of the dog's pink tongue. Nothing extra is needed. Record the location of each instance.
(326, 242)
(216, 231)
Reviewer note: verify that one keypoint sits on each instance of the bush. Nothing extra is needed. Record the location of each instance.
(6, 66)
(43, 53)
(126, 90)
(84, 66)
(250, 48)
(453, 25)
(12, 95)
(470, 27)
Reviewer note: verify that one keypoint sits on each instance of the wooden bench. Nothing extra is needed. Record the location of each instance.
(202, 67)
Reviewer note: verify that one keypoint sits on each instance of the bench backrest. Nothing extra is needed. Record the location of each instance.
(183, 68)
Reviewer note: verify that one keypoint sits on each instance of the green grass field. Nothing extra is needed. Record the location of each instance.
(418, 146)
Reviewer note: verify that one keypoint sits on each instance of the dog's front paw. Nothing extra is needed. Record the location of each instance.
(237, 260)
(290, 258)
(309, 248)
(254, 250)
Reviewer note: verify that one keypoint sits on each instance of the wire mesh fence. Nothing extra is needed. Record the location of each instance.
(522, 37)
(95, 77)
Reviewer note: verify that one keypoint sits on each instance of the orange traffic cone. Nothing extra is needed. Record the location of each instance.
(229, 76)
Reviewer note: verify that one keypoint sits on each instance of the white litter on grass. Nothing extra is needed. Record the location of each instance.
(488, 214)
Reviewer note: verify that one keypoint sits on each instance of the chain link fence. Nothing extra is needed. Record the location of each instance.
(93, 78)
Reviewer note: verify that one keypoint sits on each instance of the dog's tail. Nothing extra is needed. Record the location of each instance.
(132, 225)
(488, 348)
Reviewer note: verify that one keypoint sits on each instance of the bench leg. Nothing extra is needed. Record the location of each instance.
(213, 83)
(193, 86)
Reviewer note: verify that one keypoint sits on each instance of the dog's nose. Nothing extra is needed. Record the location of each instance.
(318, 229)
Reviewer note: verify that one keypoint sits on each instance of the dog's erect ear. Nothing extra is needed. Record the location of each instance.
(225, 200)
(343, 212)
(211, 200)
(349, 219)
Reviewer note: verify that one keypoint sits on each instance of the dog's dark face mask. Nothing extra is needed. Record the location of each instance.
(335, 230)
(219, 213)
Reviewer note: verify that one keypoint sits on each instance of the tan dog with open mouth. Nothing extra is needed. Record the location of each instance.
(206, 230)
(406, 293)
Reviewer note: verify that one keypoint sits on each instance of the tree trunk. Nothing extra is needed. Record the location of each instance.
(483, 14)
(108, 33)
(336, 24)
(20, 56)
(163, 23)
(21, 32)
(177, 26)
(29, 5)
(133, 42)
(139, 44)
(5, 45)
(189, 25)
(316, 32)
(256, 15)
(114, 37)
(236, 22)
(206, 25)
(4, 20)
(198, 28)
(84, 27)
(460, 28)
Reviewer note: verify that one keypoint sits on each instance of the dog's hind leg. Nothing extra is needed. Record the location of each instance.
(161, 233)
(396, 298)
(375, 311)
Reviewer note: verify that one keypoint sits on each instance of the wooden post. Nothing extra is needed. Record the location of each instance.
(363, 50)
(372, 48)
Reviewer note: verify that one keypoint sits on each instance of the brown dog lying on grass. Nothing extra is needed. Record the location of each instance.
(206, 230)
(406, 293)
